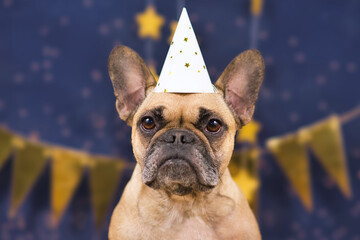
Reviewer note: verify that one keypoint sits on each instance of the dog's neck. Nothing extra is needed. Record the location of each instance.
(217, 203)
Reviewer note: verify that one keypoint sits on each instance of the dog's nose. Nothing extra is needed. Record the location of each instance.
(176, 136)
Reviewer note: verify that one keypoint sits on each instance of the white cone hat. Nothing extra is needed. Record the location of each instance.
(184, 70)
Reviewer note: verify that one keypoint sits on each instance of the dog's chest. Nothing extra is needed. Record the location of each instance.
(189, 224)
(195, 228)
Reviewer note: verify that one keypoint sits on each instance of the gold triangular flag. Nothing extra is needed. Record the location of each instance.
(29, 162)
(326, 142)
(104, 179)
(244, 171)
(290, 153)
(5, 146)
(67, 170)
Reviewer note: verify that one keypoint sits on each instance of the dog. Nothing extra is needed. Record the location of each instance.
(181, 187)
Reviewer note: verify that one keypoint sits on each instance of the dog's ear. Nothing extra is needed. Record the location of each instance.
(130, 78)
(240, 83)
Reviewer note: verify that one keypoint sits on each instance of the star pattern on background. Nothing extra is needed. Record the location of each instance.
(149, 23)
(248, 183)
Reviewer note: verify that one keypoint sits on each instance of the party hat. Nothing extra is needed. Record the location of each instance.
(184, 70)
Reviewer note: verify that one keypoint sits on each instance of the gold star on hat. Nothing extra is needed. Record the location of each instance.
(183, 61)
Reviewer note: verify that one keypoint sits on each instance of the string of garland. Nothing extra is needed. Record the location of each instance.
(67, 169)
(323, 138)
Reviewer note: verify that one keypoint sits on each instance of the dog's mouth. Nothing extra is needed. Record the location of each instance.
(179, 175)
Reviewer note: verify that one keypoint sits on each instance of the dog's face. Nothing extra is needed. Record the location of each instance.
(184, 142)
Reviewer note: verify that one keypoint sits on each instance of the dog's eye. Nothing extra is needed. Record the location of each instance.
(148, 123)
(213, 126)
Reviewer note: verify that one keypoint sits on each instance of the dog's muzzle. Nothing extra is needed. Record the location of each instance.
(179, 162)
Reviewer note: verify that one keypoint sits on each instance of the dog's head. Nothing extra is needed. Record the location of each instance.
(184, 142)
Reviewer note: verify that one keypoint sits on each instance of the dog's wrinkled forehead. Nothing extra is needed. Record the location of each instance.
(184, 107)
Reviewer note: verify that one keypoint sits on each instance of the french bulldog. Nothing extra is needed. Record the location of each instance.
(181, 187)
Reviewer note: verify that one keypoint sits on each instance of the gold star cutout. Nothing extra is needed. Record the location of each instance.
(173, 26)
(245, 176)
(195, 53)
(185, 39)
(256, 7)
(187, 65)
(198, 71)
(247, 183)
(180, 51)
(149, 23)
(170, 56)
(249, 132)
(204, 66)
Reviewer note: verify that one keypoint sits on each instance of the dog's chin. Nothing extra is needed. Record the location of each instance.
(177, 176)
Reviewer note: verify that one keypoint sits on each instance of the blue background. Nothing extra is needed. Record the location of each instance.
(54, 87)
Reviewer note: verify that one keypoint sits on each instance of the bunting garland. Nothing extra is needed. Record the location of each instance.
(324, 139)
(290, 153)
(5, 146)
(103, 191)
(326, 142)
(30, 160)
(67, 169)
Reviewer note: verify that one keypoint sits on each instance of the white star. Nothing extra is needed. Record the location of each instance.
(66, 132)
(299, 57)
(118, 23)
(48, 77)
(2, 104)
(23, 113)
(85, 92)
(334, 65)
(96, 75)
(34, 66)
(87, 3)
(47, 64)
(64, 21)
(104, 29)
(18, 78)
(293, 41)
(294, 117)
(62, 119)
(351, 67)
(320, 80)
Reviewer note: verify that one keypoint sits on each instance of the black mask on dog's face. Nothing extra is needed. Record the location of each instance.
(183, 142)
